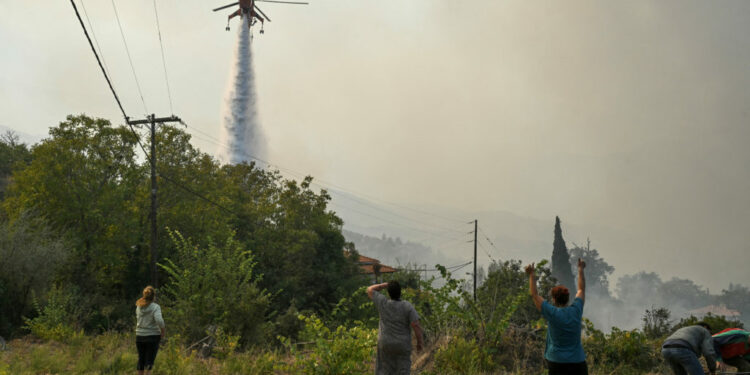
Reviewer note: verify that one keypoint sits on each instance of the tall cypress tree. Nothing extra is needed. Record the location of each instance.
(561, 269)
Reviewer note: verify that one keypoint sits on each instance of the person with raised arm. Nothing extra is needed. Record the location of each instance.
(394, 337)
(564, 352)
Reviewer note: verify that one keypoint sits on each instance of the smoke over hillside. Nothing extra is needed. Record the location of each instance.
(241, 129)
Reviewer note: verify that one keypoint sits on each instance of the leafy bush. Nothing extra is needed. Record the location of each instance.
(215, 286)
(331, 352)
(31, 253)
(618, 349)
(462, 356)
(656, 323)
(55, 320)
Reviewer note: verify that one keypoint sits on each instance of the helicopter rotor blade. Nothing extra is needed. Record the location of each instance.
(284, 2)
(226, 6)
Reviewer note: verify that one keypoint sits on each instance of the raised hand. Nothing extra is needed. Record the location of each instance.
(530, 269)
(581, 264)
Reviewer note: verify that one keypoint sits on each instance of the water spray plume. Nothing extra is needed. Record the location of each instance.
(241, 130)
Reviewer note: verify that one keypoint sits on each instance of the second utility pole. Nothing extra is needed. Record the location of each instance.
(152, 120)
(475, 260)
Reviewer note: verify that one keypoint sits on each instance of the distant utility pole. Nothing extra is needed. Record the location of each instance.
(475, 259)
(152, 120)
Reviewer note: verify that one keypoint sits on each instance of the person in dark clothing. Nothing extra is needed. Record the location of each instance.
(682, 348)
(149, 330)
(732, 347)
(564, 351)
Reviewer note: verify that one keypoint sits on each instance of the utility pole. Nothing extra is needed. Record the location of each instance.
(475, 258)
(152, 121)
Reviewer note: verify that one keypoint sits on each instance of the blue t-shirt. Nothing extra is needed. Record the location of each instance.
(564, 332)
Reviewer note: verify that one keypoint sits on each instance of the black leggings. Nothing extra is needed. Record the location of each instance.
(556, 368)
(147, 348)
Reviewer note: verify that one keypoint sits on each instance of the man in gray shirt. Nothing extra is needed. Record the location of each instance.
(682, 349)
(394, 337)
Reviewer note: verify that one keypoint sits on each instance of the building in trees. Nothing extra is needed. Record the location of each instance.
(373, 268)
(561, 269)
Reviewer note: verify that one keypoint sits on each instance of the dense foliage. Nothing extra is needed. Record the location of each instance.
(255, 268)
(77, 207)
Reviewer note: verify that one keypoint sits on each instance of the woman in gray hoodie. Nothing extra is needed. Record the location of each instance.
(149, 330)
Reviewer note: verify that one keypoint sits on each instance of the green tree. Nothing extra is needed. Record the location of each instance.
(507, 279)
(597, 269)
(214, 289)
(656, 322)
(299, 246)
(31, 254)
(82, 181)
(13, 155)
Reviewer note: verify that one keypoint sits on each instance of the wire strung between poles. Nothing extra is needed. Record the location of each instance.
(127, 50)
(163, 59)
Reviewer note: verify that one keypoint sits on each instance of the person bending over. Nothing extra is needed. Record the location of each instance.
(682, 348)
(394, 337)
(732, 347)
(564, 351)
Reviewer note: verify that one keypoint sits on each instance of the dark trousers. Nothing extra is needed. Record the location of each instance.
(742, 364)
(147, 348)
(556, 368)
(682, 361)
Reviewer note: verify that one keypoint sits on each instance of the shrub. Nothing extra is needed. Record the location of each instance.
(462, 356)
(215, 286)
(31, 253)
(614, 351)
(656, 323)
(331, 352)
(55, 321)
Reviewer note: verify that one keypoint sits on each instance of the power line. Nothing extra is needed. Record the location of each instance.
(163, 59)
(489, 241)
(104, 71)
(390, 222)
(99, 61)
(127, 119)
(350, 196)
(127, 50)
(327, 184)
(486, 252)
(451, 268)
(93, 34)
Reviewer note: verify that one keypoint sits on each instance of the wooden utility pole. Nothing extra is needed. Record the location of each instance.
(152, 121)
(475, 259)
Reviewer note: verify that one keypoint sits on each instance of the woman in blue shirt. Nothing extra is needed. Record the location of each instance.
(564, 352)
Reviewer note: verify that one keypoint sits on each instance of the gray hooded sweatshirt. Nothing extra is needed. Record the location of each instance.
(149, 320)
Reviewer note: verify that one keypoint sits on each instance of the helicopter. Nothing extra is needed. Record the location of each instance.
(249, 9)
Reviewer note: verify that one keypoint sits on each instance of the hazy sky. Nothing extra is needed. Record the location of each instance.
(631, 115)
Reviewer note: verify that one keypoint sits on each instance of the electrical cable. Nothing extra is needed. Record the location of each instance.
(351, 197)
(488, 240)
(99, 61)
(163, 59)
(93, 34)
(127, 50)
(127, 119)
(138, 139)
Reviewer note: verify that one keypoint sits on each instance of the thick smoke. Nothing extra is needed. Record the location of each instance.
(241, 130)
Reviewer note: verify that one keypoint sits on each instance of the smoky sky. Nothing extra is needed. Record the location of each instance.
(627, 119)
